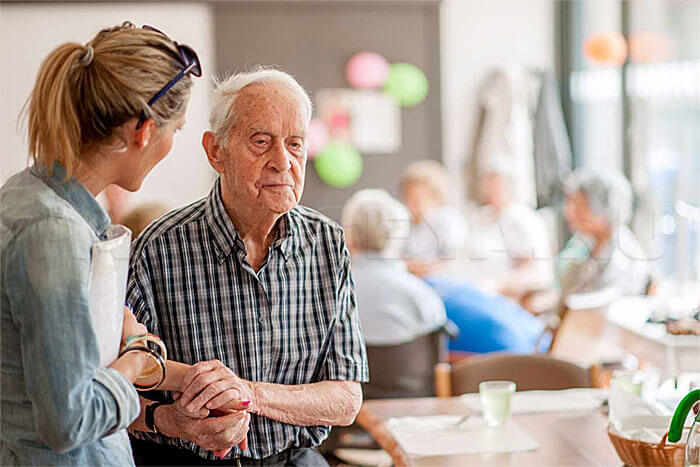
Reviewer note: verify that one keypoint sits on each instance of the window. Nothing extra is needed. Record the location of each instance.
(643, 117)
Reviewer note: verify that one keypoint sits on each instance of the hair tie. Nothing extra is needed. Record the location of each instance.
(86, 59)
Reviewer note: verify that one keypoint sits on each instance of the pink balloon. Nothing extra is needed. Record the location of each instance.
(317, 139)
(367, 70)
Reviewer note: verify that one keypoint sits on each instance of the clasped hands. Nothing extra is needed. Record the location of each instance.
(212, 410)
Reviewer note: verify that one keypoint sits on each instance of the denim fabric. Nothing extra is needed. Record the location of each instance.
(58, 406)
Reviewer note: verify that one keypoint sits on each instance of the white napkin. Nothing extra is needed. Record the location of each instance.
(567, 400)
(448, 437)
(109, 266)
(636, 418)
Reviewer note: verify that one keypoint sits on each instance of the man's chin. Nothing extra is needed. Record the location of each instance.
(280, 207)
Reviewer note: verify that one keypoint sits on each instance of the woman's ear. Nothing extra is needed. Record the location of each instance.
(142, 135)
(214, 151)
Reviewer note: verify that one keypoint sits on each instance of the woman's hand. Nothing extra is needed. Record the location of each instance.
(130, 326)
(212, 385)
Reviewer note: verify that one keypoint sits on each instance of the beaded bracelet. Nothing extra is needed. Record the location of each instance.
(156, 357)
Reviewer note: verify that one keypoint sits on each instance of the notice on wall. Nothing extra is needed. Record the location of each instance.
(369, 120)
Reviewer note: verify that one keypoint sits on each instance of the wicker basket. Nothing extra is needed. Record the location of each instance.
(642, 453)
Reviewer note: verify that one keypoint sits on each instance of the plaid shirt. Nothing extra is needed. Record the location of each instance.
(293, 322)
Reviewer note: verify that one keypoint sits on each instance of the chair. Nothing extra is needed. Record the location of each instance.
(529, 372)
(402, 370)
(405, 370)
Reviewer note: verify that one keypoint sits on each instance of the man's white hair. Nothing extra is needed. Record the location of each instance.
(376, 222)
(223, 113)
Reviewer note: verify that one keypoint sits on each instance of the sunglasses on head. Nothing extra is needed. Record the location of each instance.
(188, 58)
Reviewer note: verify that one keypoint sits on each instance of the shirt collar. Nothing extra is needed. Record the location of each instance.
(226, 235)
(77, 195)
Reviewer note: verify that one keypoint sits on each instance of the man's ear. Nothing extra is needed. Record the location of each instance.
(145, 133)
(214, 151)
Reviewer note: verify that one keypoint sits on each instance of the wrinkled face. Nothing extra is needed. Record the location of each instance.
(265, 156)
(580, 216)
(419, 200)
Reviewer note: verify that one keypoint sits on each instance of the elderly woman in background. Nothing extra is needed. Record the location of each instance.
(394, 306)
(603, 259)
(509, 248)
(437, 230)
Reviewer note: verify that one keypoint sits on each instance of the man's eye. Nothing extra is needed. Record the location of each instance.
(296, 145)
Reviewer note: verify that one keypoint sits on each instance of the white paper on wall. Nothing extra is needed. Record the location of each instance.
(368, 120)
(109, 266)
(376, 122)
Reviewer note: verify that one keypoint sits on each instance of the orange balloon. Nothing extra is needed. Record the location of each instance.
(649, 46)
(606, 48)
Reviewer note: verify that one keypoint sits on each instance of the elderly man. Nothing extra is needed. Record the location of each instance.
(255, 288)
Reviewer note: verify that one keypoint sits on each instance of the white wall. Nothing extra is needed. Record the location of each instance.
(29, 32)
(478, 35)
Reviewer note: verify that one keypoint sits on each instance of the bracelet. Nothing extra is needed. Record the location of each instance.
(146, 339)
(159, 361)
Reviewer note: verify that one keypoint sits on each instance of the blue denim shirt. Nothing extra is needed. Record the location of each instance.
(58, 406)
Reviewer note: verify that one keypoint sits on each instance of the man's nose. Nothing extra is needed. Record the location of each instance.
(279, 158)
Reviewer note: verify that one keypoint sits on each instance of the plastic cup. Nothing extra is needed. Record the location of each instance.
(629, 380)
(495, 401)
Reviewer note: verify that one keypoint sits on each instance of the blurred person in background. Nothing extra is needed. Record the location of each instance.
(509, 247)
(437, 230)
(141, 216)
(603, 259)
(395, 306)
(89, 126)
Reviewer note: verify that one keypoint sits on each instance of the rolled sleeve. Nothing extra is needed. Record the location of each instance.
(347, 358)
(122, 392)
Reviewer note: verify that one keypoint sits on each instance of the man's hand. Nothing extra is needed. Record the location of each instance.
(215, 433)
(211, 385)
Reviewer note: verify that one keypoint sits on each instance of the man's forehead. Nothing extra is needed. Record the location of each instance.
(261, 104)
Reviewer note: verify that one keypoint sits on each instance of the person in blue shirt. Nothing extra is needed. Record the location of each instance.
(486, 322)
(99, 114)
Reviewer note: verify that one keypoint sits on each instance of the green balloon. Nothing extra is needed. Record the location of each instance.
(339, 164)
(407, 83)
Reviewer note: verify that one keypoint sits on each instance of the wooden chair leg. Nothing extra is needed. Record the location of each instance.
(443, 380)
(382, 436)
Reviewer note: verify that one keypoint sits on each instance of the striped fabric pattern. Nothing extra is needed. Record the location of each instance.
(293, 322)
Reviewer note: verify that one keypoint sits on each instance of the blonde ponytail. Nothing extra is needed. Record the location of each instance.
(83, 93)
(53, 127)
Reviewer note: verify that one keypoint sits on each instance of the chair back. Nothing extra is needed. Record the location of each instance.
(529, 372)
(405, 370)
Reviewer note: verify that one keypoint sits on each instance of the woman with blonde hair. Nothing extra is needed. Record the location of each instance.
(438, 231)
(99, 114)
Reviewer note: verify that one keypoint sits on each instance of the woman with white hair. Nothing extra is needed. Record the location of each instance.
(395, 306)
(603, 256)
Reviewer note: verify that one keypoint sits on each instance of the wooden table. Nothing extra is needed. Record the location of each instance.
(649, 341)
(571, 439)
